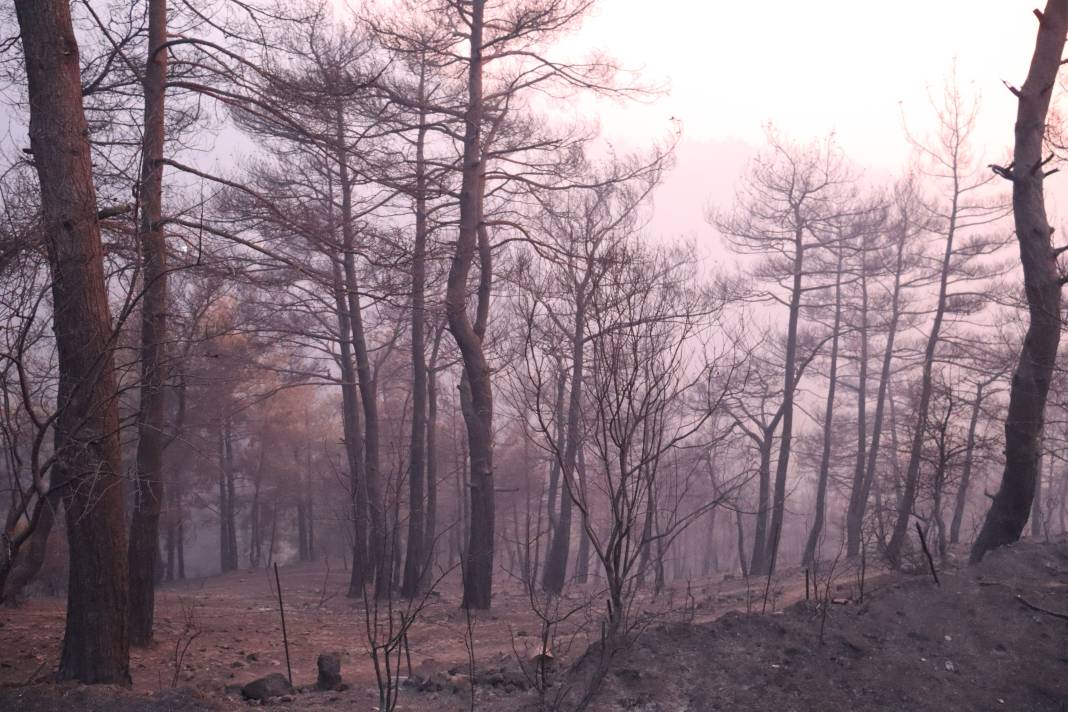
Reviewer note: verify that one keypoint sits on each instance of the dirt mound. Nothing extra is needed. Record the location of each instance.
(976, 642)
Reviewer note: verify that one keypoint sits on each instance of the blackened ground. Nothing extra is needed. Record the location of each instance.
(971, 644)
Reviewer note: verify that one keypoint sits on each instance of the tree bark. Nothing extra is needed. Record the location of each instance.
(144, 526)
(828, 424)
(1030, 383)
(227, 513)
(556, 563)
(478, 574)
(87, 448)
(430, 530)
(859, 495)
(778, 508)
(966, 470)
(912, 474)
(358, 574)
(856, 506)
(379, 557)
(760, 532)
(415, 560)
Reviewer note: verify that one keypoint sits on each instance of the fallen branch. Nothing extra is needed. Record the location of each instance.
(282, 612)
(1040, 609)
(927, 553)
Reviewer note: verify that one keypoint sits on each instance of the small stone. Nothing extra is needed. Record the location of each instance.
(950, 667)
(273, 685)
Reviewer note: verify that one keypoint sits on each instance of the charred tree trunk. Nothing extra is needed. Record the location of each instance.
(856, 506)
(430, 530)
(556, 563)
(379, 557)
(28, 558)
(350, 417)
(1042, 283)
(912, 474)
(554, 463)
(87, 448)
(828, 424)
(582, 565)
(227, 513)
(966, 471)
(778, 508)
(861, 492)
(760, 534)
(144, 526)
(478, 575)
(740, 530)
(415, 560)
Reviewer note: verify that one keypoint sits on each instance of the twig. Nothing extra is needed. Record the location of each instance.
(282, 612)
(34, 673)
(1040, 609)
(927, 553)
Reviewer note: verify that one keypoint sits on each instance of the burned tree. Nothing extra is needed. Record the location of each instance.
(87, 451)
(1042, 282)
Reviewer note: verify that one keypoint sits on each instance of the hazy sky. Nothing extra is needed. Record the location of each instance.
(855, 68)
(814, 66)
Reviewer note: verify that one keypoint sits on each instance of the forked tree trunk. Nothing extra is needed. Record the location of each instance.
(87, 449)
(1042, 283)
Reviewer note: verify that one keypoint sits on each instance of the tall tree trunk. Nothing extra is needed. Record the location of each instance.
(478, 574)
(227, 513)
(859, 471)
(912, 474)
(582, 565)
(828, 423)
(740, 530)
(144, 526)
(859, 495)
(430, 530)
(1042, 283)
(350, 417)
(415, 560)
(556, 564)
(778, 508)
(966, 471)
(554, 463)
(379, 557)
(760, 533)
(88, 464)
(1036, 501)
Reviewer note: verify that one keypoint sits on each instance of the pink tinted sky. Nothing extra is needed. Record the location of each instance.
(855, 68)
